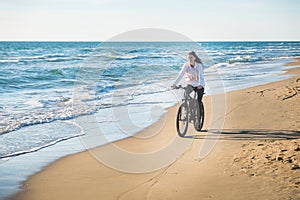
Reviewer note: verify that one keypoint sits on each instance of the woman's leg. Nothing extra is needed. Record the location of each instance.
(199, 94)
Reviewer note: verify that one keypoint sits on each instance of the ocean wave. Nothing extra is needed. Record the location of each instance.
(64, 108)
(9, 61)
(56, 101)
(87, 49)
(101, 89)
(142, 57)
(82, 55)
(247, 58)
(5, 156)
(61, 59)
(17, 121)
(217, 66)
(139, 50)
(42, 58)
(36, 78)
(32, 142)
(113, 56)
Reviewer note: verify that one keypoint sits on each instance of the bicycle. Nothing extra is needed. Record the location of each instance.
(189, 111)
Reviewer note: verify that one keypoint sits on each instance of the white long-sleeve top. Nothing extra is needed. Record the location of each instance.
(194, 75)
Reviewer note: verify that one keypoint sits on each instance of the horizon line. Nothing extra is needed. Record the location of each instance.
(149, 41)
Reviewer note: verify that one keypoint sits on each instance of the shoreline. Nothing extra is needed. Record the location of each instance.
(131, 145)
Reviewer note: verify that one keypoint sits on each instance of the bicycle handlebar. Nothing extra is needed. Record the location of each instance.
(179, 87)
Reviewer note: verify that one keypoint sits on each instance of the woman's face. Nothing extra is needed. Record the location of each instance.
(191, 58)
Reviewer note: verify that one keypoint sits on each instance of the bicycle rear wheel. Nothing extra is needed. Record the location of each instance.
(182, 120)
(199, 117)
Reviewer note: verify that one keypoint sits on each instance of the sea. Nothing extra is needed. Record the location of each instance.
(47, 87)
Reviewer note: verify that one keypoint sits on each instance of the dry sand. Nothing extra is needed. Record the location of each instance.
(256, 156)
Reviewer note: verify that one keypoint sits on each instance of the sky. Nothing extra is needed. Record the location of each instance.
(100, 20)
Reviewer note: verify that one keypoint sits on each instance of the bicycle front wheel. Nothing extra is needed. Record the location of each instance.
(182, 120)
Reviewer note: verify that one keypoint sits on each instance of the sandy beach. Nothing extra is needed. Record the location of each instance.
(257, 156)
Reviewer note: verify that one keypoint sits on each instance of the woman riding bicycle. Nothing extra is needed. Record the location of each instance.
(193, 69)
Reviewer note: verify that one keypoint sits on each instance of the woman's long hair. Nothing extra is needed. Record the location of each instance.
(197, 60)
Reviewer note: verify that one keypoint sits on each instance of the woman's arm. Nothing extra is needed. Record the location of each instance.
(201, 75)
(180, 75)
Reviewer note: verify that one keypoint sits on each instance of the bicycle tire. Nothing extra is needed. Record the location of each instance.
(182, 117)
(199, 117)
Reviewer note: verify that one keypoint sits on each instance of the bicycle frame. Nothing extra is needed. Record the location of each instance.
(190, 101)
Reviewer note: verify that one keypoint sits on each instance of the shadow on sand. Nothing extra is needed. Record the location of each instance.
(246, 134)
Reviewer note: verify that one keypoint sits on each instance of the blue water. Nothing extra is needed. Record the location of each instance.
(42, 82)
(45, 86)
